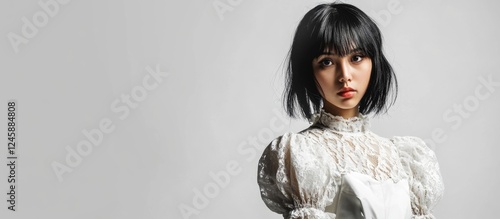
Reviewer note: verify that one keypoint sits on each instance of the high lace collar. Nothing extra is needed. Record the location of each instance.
(358, 123)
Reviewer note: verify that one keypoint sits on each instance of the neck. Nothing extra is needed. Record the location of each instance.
(345, 113)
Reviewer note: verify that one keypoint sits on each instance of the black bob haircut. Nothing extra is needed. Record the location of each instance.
(339, 27)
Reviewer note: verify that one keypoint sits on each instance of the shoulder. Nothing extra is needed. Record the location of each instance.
(284, 141)
(413, 148)
(282, 145)
(410, 143)
(300, 151)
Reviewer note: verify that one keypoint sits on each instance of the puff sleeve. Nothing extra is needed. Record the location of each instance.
(294, 178)
(425, 180)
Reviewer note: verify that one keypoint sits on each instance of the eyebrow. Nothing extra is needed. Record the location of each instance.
(350, 52)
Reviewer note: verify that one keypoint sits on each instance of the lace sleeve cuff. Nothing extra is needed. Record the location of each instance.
(427, 216)
(309, 213)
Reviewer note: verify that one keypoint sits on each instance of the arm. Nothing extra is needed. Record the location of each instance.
(425, 180)
(289, 181)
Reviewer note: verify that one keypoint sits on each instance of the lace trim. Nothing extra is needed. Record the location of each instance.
(358, 123)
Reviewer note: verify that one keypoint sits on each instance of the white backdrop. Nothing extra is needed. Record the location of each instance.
(137, 109)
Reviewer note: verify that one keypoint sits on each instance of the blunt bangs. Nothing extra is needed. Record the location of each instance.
(341, 32)
(336, 28)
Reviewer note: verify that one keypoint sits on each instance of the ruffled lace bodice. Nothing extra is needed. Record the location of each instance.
(301, 175)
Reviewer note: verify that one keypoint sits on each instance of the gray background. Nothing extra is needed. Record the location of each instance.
(222, 93)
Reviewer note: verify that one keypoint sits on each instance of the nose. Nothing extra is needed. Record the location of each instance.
(345, 70)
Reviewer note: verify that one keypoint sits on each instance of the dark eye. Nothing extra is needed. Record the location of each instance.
(357, 58)
(326, 62)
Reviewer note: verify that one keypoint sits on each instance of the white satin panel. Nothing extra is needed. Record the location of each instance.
(361, 196)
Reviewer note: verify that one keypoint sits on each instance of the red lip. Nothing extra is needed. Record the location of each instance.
(346, 92)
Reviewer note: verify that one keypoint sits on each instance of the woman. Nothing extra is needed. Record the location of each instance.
(338, 168)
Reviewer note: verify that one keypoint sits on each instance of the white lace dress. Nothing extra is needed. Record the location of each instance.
(337, 168)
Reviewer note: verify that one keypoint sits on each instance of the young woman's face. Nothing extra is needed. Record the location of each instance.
(343, 81)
